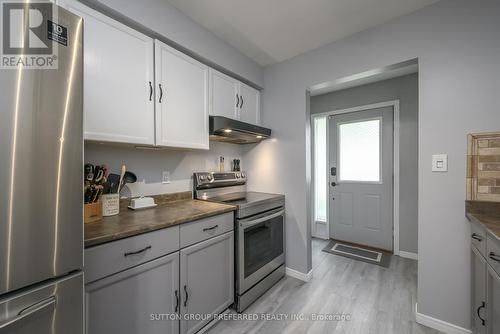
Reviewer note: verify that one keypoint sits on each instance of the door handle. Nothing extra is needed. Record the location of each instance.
(176, 301)
(161, 93)
(150, 91)
(477, 237)
(187, 296)
(237, 100)
(494, 257)
(30, 310)
(210, 228)
(483, 305)
(138, 252)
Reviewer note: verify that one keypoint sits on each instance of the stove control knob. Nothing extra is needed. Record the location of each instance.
(202, 178)
(238, 175)
(210, 177)
(243, 175)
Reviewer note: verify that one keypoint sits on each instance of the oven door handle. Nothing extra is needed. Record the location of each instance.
(250, 223)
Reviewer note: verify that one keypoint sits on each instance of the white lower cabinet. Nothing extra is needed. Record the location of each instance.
(128, 302)
(207, 280)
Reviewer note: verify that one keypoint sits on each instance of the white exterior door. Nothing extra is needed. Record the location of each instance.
(249, 104)
(224, 95)
(181, 99)
(118, 80)
(361, 180)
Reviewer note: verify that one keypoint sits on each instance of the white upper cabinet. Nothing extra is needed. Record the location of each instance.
(233, 99)
(181, 99)
(224, 95)
(118, 80)
(249, 104)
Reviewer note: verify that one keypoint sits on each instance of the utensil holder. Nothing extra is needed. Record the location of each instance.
(110, 204)
(92, 212)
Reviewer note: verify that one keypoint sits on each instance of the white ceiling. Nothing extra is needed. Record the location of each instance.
(270, 31)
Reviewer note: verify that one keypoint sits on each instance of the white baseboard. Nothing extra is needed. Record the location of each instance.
(408, 255)
(299, 275)
(439, 325)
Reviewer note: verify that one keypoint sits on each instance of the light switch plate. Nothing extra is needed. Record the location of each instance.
(440, 163)
(165, 177)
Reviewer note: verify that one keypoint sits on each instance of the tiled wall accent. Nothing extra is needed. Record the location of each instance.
(483, 167)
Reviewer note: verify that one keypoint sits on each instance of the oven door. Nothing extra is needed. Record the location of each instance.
(260, 247)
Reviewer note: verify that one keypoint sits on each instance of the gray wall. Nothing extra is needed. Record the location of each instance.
(458, 47)
(404, 89)
(166, 20)
(148, 165)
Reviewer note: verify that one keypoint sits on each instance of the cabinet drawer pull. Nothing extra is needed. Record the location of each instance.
(176, 301)
(483, 305)
(210, 228)
(138, 252)
(161, 93)
(477, 237)
(494, 257)
(150, 91)
(187, 296)
(237, 100)
(241, 105)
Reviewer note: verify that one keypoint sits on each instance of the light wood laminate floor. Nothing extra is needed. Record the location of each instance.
(379, 300)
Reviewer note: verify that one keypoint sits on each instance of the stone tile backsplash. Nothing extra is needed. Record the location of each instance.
(483, 167)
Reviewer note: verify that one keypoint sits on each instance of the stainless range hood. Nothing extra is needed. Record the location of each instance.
(232, 131)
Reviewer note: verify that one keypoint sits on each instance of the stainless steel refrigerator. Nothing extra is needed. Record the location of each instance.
(41, 214)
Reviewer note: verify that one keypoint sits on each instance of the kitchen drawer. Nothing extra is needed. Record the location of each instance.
(203, 229)
(478, 238)
(110, 258)
(493, 253)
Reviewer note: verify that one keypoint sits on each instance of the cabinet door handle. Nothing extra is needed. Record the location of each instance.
(241, 106)
(150, 91)
(161, 93)
(210, 228)
(237, 100)
(187, 296)
(138, 252)
(477, 237)
(176, 301)
(494, 257)
(483, 305)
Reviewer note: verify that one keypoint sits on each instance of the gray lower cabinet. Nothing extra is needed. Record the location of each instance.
(485, 281)
(493, 299)
(478, 292)
(133, 301)
(206, 280)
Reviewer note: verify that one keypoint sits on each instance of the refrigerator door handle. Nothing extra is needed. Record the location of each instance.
(30, 310)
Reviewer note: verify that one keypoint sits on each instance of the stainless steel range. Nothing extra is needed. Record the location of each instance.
(260, 231)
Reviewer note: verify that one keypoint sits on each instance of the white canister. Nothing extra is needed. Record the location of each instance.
(110, 204)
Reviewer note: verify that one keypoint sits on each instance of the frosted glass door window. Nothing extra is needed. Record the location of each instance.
(320, 184)
(359, 151)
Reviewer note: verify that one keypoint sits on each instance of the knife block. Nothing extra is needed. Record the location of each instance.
(92, 212)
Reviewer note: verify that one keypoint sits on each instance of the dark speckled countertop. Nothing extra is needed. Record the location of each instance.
(168, 213)
(486, 214)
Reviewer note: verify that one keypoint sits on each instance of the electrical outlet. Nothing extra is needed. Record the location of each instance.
(165, 176)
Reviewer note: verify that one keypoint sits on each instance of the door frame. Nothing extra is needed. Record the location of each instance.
(395, 220)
